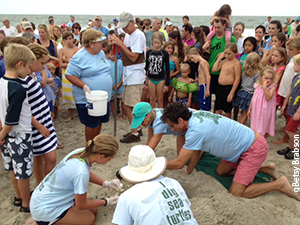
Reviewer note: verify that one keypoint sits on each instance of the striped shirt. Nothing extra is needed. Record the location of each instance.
(41, 112)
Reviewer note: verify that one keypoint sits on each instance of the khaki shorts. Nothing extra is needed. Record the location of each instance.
(56, 102)
(132, 94)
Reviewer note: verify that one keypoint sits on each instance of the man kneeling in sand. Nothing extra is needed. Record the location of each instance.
(153, 199)
(242, 150)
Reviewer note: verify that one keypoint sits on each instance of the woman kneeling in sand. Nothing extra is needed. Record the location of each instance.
(61, 198)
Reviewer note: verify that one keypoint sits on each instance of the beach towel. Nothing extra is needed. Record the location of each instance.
(208, 165)
(68, 101)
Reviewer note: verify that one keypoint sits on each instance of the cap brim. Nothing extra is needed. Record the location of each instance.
(122, 24)
(133, 177)
(136, 122)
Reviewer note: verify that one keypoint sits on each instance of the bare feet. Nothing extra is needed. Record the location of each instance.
(30, 221)
(270, 170)
(286, 188)
(282, 130)
(69, 119)
(281, 141)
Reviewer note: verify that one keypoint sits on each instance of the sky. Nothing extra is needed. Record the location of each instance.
(153, 7)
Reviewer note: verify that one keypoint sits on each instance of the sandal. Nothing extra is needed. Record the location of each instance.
(289, 155)
(17, 202)
(284, 151)
(24, 209)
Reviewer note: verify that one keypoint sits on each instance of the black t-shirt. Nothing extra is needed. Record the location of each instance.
(157, 65)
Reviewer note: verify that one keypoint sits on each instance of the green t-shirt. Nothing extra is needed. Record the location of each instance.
(217, 47)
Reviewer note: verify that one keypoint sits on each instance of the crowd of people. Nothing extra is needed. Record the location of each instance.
(185, 71)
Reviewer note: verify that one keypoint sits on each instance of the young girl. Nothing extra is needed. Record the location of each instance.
(56, 90)
(158, 70)
(249, 46)
(183, 86)
(174, 66)
(278, 41)
(229, 78)
(262, 109)
(204, 96)
(120, 88)
(223, 13)
(250, 74)
(43, 133)
(176, 39)
(278, 62)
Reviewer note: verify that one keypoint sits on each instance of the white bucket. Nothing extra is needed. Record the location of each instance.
(97, 103)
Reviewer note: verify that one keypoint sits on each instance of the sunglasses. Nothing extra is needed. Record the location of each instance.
(77, 28)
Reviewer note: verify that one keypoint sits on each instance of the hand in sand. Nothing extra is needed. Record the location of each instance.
(112, 200)
(113, 184)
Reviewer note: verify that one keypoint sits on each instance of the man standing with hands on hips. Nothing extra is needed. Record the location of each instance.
(133, 52)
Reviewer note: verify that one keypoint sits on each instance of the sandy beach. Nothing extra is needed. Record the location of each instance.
(211, 202)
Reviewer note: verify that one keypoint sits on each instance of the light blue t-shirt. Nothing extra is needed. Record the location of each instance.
(159, 127)
(94, 70)
(70, 24)
(120, 71)
(56, 193)
(47, 90)
(267, 44)
(103, 29)
(218, 135)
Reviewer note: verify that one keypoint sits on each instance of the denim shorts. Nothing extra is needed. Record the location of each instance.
(91, 121)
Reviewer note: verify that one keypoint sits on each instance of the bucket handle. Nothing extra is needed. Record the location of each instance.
(89, 105)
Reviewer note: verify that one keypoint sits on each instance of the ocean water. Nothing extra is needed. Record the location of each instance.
(250, 21)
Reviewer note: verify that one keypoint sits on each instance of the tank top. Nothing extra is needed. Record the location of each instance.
(51, 47)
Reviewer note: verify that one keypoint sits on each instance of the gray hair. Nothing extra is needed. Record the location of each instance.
(29, 36)
(154, 19)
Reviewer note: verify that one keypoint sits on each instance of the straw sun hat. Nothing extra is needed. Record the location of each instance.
(143, 165)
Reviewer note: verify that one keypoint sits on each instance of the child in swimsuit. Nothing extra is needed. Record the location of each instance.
(158, 70)
(183, 86)
(203, 79)
(229, 78)
(174, 67)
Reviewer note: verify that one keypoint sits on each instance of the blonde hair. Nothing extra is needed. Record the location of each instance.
(102, 144)
(58, 27)
(50, 65)
(90, 35)
(252, 64)
(296, 59)
(45, 27)
(266, 69)
(15, 53)
(232, 47)
(38, 50)
(185, 67)
(159, 36)
(294, 42)
(193, 51)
